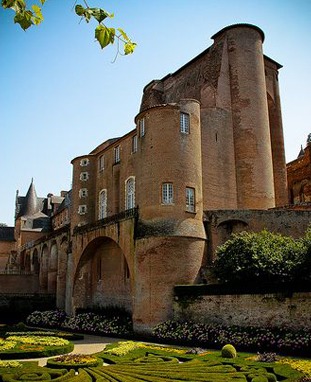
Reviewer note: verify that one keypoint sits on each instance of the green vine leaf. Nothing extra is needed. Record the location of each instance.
(79, 10)
(24, 19)
(37, 17)
(16, 5)
(104, 35)
(123, 34)
(129, 48)
(99, 14)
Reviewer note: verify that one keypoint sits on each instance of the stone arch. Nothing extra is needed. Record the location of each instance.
(35, 265)
(61, 273)
(102, 276)
(233, 225)
(27, 262)
(44, 263)
(229, 227)
(52, 268)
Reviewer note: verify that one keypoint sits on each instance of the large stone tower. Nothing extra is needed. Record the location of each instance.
(170, 236)
(243, 161)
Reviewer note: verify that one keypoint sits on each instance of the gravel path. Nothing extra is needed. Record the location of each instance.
(89, 345)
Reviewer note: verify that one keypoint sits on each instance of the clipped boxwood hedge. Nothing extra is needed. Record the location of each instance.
(150, 362)
(35, 332)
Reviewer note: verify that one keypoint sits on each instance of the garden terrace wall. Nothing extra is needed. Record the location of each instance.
(271, 309)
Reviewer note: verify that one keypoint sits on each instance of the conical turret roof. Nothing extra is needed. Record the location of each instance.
(301, 152)
(32, 205)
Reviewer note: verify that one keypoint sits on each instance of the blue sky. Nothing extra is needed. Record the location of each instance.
(61, 95)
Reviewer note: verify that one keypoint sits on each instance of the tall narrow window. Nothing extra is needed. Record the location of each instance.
(142, 127)
(134, 144)
(101, 163)
(184, 123)
(102, 204)
(130, 193)
(167, 193)
(117, 154)
(190, 199)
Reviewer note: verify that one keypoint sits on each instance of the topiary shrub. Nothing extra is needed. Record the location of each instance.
(228, 351)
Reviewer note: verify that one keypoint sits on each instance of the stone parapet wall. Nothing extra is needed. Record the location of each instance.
(261, 310)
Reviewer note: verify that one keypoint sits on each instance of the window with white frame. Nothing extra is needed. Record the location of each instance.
(84, 162)
(184, 123)
(190, 199)
(167, 193)
(83, 193)
(130, 193)
(102, 204)
(84, 176)
(101, 163)
(117, 154)
(134, 144)
(82, 209)
(141, 124)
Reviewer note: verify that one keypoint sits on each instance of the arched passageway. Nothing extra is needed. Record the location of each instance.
(44, 264)
(52, 268)
(35, 266)
(102, 277)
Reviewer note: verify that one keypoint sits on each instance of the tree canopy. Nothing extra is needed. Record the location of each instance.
(30, 15)
(250, 257)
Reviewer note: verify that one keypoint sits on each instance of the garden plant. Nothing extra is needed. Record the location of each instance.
(264, 257)
(33, 346)
(129, 361)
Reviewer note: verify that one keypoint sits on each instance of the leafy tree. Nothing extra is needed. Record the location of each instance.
(251, 257)
(303, 269)
(28, 16)
(3, 225)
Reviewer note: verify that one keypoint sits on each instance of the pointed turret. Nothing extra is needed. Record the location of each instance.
(301, 152)
(31, 206)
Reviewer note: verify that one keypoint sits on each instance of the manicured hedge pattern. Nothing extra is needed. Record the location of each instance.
(194, 370)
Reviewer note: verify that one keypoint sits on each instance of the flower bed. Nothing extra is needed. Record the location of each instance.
(33, 346)
(112, 324)
(282, 341)
(74, 361)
